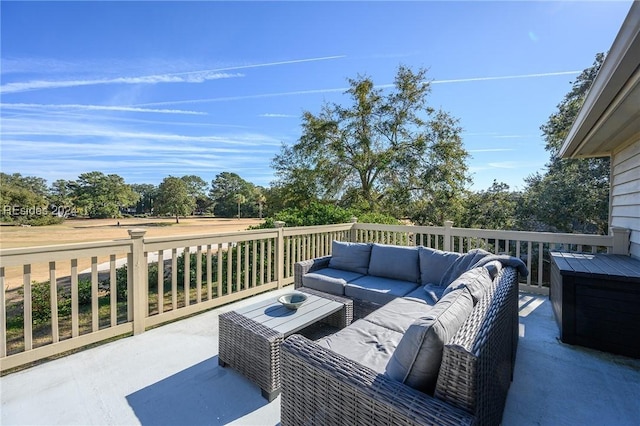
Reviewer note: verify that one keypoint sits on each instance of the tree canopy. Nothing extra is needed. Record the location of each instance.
(174, 198)
(380, 151)
(573, 194)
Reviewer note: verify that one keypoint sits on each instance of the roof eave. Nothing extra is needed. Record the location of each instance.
(609, 89)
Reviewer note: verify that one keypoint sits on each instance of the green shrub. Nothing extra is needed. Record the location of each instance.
(41, 301)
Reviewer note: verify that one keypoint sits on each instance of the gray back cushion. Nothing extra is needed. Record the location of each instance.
(416, 361)
(476, 280)
(350, 256)
(434, 263)
(395, 262)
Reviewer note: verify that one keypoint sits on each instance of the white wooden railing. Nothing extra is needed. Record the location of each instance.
(227, 267)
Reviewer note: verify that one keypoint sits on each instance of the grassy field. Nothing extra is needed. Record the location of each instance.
(88, 230)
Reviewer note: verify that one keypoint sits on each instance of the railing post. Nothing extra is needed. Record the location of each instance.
(138, 288)
(353, 234)
(447, 235)
(620, 240)
(280, 253)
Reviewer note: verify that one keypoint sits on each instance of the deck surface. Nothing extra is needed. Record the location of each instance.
(170, 375)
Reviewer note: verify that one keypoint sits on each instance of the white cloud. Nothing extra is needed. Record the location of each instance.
(25, 127)
(190, 77)
(272, 115)
(344, 89)
(175, 77)
(31, 107)
(505, 77)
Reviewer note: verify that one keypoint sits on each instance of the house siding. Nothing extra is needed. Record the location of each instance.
(625, 193)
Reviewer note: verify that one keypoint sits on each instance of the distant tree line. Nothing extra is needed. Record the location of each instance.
(384, 156)
(29, 200)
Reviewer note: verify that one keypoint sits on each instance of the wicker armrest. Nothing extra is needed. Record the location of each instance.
(320, 386)
(484, 348)
(306, 266)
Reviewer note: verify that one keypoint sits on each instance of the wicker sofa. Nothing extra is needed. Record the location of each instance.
(386, 369)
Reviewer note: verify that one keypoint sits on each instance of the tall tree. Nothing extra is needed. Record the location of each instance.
(147, 194)
(197, 188)
(573, 194)
(240, 199)
(61, 198)
(375, 149)
(261, 200)
(20, 200)
(439, 194)
(103, 195)
(494, 208)
(223, 191)
(174, 198)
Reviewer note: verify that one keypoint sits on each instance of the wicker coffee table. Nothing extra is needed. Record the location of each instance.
(250, 337)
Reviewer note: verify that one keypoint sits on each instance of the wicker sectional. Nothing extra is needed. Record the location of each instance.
(320, 386)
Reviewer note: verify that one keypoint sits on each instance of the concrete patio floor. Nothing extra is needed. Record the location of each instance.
(170, 376)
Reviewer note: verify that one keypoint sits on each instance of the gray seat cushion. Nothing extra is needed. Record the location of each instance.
(417, 358)
(378, 289)
(329, 280)
(476, 280)
(434, 263)
(398, 314)
(364, 342)
(429, 294)
(350, 256)
(395, 262)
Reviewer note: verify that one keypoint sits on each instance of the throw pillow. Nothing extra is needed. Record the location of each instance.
(416, 361)
(350, 256)
(395, 262)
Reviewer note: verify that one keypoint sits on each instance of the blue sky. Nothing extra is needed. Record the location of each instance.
(151, 89)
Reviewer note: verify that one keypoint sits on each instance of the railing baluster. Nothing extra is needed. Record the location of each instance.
(219, 264)
(187, 276)
(529, 256)
(113, 290)
(53, 289)
(160, 281)
(28, 306)
(269, 260)
(174, 279)
(75, 324)
(245, 245)
(209, 273)
(288, 255)
(229, 268)
(262, 260)
(540, 263)
(254, 264)
(95, 320)
(238, 265)
(199, 274)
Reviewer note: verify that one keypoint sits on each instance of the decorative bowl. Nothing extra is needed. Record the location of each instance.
(293, 300)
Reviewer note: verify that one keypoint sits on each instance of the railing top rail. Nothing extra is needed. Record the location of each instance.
(179, 241)
(22, 255)
(547, 237)
(400, 228)
(300, 230)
